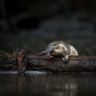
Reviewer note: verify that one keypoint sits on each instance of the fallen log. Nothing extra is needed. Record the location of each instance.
(39, 63)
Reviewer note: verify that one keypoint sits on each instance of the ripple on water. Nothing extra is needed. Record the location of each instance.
(27, 72)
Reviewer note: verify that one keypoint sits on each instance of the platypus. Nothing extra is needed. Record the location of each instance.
(60, 48)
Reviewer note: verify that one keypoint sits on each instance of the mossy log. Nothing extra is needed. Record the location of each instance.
(39, 63)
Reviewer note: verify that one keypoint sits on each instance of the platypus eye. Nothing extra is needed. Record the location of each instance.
(56, 47)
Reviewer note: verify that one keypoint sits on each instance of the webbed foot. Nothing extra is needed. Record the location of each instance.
(65, 59)
(48, 56)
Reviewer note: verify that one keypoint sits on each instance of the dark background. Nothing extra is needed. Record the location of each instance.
(32, 24)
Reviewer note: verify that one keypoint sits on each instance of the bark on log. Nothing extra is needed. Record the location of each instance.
(39, 63)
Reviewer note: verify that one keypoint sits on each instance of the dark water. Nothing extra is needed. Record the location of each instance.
(42, 84)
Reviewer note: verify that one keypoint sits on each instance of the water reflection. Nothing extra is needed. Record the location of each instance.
(48, 85)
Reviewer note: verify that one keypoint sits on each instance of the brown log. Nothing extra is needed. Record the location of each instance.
(39, 63)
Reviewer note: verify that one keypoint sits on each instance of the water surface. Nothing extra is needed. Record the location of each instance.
(43, 84)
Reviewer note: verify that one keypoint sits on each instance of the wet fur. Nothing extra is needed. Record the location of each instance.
(61, 48)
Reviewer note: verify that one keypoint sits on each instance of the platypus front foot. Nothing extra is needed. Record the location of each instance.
(65, 59)
(48, 56)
